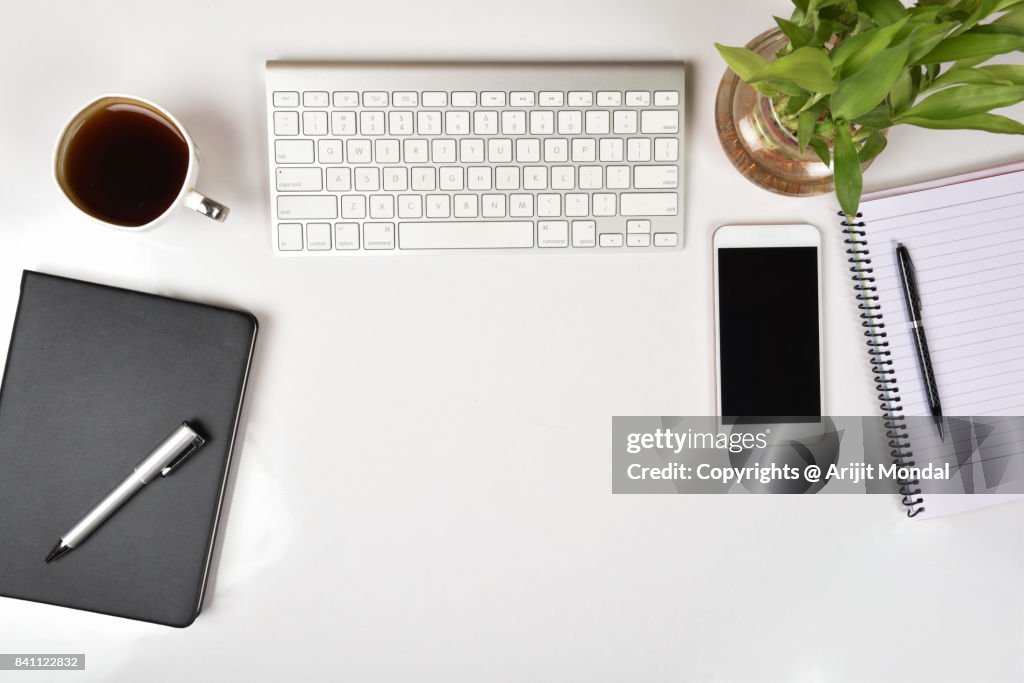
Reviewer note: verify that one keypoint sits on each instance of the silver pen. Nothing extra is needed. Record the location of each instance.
(172, 451)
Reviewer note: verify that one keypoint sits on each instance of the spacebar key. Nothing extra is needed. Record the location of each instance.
(466, 235)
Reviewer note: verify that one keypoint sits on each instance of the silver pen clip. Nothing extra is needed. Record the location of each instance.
(196, 444)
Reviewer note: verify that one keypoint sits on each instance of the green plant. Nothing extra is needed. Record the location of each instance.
(854, 68)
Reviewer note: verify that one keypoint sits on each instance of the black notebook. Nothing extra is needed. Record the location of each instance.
(95, 378)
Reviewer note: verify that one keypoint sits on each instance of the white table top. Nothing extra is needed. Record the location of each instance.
(422, 489)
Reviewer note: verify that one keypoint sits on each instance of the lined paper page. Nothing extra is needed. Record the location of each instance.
(967, 245)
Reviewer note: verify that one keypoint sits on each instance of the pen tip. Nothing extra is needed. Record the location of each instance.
(59, 550)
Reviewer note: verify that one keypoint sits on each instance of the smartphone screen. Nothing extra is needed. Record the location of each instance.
(769, 355)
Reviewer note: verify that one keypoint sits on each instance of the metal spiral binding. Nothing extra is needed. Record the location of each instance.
(881, 363)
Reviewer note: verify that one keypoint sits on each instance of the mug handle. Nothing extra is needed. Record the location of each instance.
(206, 206)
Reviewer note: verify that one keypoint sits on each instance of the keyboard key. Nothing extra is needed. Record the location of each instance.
(292, 179)
(520, 205)
(563, 177)
(597, 122)
(535, 178)
(314, 123)
(577, 205)
(367, 179)
(424, 179)
(542, 123)
(329, 151)
(466, 206)
(359, 151)
(638, 149)
(315, 99)
(438, 206)
(286, 123)
(339, 179)
(492, 205)
(649, 204)
(386, 151)
(584, 233)
(298, 207)
(665, 239)
(442, 151)
(570, 122)
(466, 235)
(611, 149)
(346, 100)
(527, 150)
(456, 122)
(294, 151)
(371, 123)
(485, 122)
(378, 236)
(549, 205)
(492, 99)
(666, 98)
(353, 206)
(289, 236)
(556, 149)
(522, 99)
(382, 206)
(591, 177)
(604, 204)
(584, 149)
(657, 121)
(617, 177)
(416, 151)
(343, 123)
(499, 150)
(478, 178)
(405, 99)
(463, 99)
(435, 99)
(513, 122)
(606, 98)
(552, 234)
(375, 98)
(609, 239)
(552, 99)
(428, 123)
(506, 178)
(655, 177)
(638, 240)
(410, 206)
(638, 226)
(638, 98)
(581, 99)
(396, 178)
(287, 98)
(400, 123)
(318, 237)
(452, 177)
(624, 122)
(666, 149)
(346, 236)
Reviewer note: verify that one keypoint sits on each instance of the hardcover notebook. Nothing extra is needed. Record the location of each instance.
(96, 377)
(966, 238)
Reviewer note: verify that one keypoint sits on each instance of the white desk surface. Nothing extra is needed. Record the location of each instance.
(423, 486)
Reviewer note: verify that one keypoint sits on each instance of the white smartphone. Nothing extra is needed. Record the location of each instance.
(768, 347)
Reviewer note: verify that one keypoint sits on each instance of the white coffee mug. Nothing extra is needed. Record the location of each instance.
(187, 194)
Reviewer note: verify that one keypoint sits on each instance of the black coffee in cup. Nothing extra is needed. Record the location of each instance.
(123, 163)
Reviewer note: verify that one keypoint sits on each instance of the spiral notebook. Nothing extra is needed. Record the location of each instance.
(966, 236)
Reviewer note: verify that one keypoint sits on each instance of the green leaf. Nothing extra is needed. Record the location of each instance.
(872, 147)
(805, 128)
(925, 38)
(993, 123)
(982, 9)
(878, 118)
(1001, 74)
(807, 67)
(822, 149)
(903, 91)
(965, 100)
(883, 12)
(862, 92)
(975, 44)
(801, 5)
(745, 63)
(852, 54)
(786, 87)
(847, 175)
(1014, 18)
(798, 35)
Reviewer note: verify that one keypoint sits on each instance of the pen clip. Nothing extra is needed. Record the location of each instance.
(912, 274)
(196, 444)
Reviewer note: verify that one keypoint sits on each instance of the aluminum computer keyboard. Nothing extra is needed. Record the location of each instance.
(369, 158)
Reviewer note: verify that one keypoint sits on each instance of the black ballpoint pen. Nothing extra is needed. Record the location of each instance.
(913, 299)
